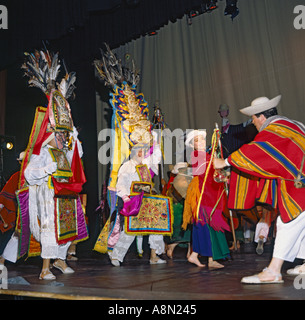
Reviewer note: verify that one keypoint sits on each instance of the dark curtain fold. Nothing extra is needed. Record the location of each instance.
(2, 101)
(80, 27)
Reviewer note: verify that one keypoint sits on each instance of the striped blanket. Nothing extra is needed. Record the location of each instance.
(268, 168)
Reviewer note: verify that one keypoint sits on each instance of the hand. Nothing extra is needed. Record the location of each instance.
(125, 199)
(219, 163)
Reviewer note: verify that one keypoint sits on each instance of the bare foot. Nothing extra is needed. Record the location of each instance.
(170, 250)
(188, 254)
(215, 265)
(193, 258)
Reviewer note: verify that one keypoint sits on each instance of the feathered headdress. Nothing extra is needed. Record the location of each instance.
(130, 120)
(43, 68)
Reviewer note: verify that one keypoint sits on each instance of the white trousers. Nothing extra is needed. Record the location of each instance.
(290, 239)
(262, 229)
(120, 249)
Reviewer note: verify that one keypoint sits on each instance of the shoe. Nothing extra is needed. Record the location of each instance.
(297, 270)
(260, 247)
(159, 261)
(48, 276)
(256, 280)
(115, 262)
(67, 270)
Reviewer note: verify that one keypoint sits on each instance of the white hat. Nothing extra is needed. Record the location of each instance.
(21, 156)
(260, 105)
(178, 166)
(191, 135)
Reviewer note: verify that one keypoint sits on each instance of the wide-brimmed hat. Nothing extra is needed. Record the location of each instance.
(260, 105)
(178, 166)
(192, 134)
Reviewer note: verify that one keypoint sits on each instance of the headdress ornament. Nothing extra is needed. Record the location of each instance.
(130, 120)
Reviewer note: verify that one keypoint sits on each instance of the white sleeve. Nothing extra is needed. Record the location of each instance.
(125, 178)
(39, 168)
(153, 160)
(227, 163)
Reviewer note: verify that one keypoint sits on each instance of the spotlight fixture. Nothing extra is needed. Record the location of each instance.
(211, 5)
(6, 143)
(206, 6)
(152, 33)
(231, 9)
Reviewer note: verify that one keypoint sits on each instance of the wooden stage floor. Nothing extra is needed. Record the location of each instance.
(96, 279)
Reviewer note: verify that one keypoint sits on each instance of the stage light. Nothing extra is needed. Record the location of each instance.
(231, 9)
(206, 6)
(211, 5)
(152, 33)
(6, 143)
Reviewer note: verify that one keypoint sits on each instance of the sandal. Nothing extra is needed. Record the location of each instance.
(297, 270)
(47, 276)
(67, 270)
(159, 261)
(256, 280)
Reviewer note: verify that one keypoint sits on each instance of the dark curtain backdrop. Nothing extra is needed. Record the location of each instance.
(2, 100)
(79, 27)
(191, 70)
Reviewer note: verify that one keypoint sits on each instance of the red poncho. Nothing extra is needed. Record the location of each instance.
(273, 160)
(8, 199)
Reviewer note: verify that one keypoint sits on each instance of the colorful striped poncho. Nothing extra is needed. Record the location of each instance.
(273, 161)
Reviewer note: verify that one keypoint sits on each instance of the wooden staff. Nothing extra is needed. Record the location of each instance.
(227, 192)
(5, 225)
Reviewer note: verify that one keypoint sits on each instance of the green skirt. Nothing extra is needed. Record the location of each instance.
(179, 235)
(220, 247)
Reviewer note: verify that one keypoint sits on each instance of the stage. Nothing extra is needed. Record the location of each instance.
(96, 279)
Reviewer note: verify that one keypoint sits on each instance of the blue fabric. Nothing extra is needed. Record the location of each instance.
(202, 240)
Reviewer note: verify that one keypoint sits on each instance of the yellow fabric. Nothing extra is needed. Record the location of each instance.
(101, 244)
(120, 153)
(191, 201)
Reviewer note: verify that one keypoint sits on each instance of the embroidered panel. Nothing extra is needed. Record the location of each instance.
(155, 217)
(63, 167)
(144, 173)
(65, 219)
(138, 186)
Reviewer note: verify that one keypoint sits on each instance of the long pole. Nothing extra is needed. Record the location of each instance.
(227, 192)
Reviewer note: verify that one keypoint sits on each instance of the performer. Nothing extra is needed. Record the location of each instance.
(126, 176)
(274, 162)
(135, 158)
(234, 136)
(262, 227)
(8, 209)
(176, 189)
(52, 174)
(208, 238)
